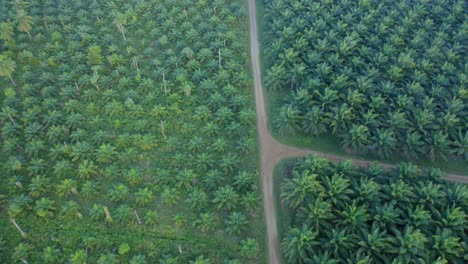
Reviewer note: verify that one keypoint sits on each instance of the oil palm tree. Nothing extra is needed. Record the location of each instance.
(7, 67)
(298, 244)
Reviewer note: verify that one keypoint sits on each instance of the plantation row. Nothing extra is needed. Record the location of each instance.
(383, 77)
(127, 133)
(344, 214)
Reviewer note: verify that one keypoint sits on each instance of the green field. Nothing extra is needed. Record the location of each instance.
(128, 133)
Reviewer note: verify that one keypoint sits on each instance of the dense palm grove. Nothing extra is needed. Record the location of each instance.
(342, 214)
(127, 133)
(383, 77)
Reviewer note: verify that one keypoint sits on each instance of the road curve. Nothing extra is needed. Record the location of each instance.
(271, 151)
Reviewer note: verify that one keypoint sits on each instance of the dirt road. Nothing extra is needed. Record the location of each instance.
(271, 151)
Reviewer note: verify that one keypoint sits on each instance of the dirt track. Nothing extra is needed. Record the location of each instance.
(271, 151)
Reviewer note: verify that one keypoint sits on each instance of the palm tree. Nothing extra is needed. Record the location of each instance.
(118, 193)
(410, 243)
(25, 22)
(357, 138)
(206, 222)
(225, 198)
(438, 146)
(244, 181)
(375, 243)
(384, 143)
(66, 187)
(315, 121)
(6, 31)
(143, 196)
(78, 257)
(7, 67)
(44, 207)
(295, 191)
(197, 199)
(39, 185)
(297, 245)
(249, 248)
(201, 260)
(106, 154)
(339, 242)
(138, 259)
(71, 210)
(288, 120)
(151, 218)
(110, 258)
(447, 246)
(459, 144)
(317, 214)
(235, 223)
(275, 78)
(337, 190)
(50, 255)
(21, 253)
(354, 217)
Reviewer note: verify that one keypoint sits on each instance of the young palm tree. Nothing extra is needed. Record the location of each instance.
(236, 223)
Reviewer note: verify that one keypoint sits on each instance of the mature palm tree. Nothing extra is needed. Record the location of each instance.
(357, 139)
(295, 191)
(7, 67)
(44, 207)
(337, 190)
(447, 246)
(6, 31)
(459, 144)
(39, 185)
(25, 22)
(438, 146)
(315, 121)
(250, 248)
(297, 245)
(384, 143)
(376, 243)
(275, 78)
(288, 120)
(317, 214)
(339, 242)
(354, 217)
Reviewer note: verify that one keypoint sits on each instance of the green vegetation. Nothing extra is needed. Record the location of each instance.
(127, 133)
(344, 214)
(382, 78)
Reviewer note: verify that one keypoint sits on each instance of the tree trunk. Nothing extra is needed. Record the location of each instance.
(108, 215)
(165, 85)
(23, 234)
(138, 217)
(12, 81)
(45, 24)
(162, 130)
